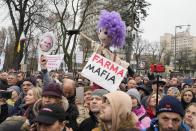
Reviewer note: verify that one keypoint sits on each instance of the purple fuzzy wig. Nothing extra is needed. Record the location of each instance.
(116, 28)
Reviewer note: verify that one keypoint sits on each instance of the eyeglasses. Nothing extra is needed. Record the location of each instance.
(26, 84)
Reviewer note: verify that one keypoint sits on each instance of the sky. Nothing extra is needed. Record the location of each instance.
(163, 16)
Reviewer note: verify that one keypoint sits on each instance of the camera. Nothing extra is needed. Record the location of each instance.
(158, 68)
(5, 94)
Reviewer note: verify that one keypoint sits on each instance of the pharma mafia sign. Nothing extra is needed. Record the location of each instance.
(104, 72)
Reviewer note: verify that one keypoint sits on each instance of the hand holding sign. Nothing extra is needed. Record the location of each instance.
(43, 62)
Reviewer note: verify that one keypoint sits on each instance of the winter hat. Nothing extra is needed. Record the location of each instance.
(170, 104)
(99, 92)
(51, 113)
(31, 79)
(14, 123)
(53, 89)
(14, 88)
(134, 92)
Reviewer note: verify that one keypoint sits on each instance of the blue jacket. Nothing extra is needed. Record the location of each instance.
(154, 126)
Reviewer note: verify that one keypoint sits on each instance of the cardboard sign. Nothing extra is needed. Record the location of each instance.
(54, 61)
(104, 72)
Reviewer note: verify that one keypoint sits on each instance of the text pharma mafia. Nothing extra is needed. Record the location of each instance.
(100, 71)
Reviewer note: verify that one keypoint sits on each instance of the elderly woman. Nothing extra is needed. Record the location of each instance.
(174, 91)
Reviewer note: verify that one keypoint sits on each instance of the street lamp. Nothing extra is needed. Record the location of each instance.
(178, 26)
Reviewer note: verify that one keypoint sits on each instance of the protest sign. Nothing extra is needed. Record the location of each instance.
(54, 61)
(104, 72)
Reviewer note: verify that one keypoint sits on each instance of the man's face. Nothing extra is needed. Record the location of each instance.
(131, 84)
(46, 44)
(87, 96)
(190, 115)
(20, 76)
(68, 88)
(138, 79)
(11, 80)
(194, 89)
(169, 121)
(48, 100)
(26, 85)
(57, 126)
(106, 111)
(174, 81)
(95, 103)
(4, 75)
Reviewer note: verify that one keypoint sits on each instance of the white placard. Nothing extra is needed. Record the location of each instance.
(104, 72)
(79, 57)
(54, 61)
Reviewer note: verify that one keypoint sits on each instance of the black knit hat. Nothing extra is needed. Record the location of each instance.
(31, 79)
(170, 104)
(53, 89)
(50, 114)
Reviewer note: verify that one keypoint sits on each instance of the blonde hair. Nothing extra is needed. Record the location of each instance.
(37, 92)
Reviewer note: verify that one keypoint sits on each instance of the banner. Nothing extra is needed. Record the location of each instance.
(54, 61)
(104, 72)
(45, 47)
(2, 57)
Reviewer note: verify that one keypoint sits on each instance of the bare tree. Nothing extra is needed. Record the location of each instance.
(156, 52)
(139, 47)
(183, 60)
(22, 14)
(66, 14)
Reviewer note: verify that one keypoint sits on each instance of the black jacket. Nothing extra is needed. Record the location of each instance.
(3, 85)
(72, 113)
(89, 123)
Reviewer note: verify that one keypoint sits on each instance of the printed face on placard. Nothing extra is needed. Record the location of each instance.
(46, 43)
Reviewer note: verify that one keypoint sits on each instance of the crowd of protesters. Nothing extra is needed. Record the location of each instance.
(47, 101)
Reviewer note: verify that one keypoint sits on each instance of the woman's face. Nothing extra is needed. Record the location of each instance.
(170, 92)
(152, 101)
(15, 95)
(106, 111)
(188, 96)
(190, 115)
(48, 100)
(134, 101)
(30, 98)
(46, 44)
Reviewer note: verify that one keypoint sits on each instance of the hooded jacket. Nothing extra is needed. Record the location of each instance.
(121, 109)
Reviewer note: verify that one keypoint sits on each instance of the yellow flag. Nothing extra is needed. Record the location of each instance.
(22, 38)
(18, 47)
